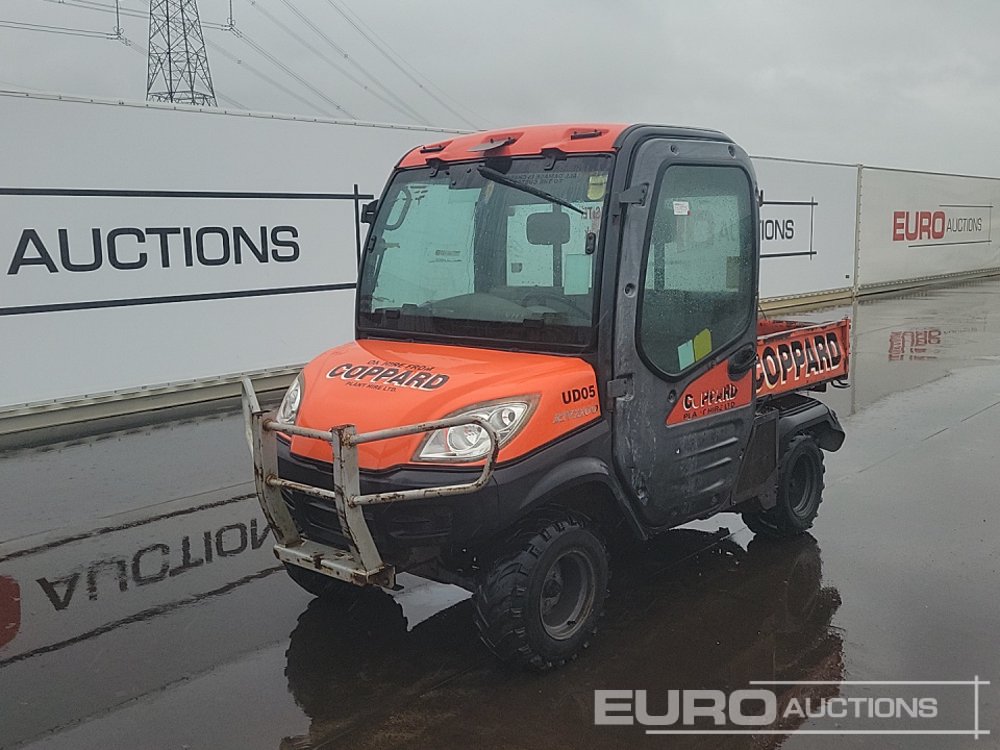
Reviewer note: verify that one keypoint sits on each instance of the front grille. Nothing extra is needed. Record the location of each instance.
(316, 519)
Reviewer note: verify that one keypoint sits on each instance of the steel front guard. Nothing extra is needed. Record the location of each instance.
(361, 563)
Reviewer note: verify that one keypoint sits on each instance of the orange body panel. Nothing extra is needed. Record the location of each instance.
(793, 355)
(790, 356)
(526, 141)
(379, 384)
(712, 393)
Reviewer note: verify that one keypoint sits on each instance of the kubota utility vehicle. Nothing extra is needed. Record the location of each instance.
(557, 343)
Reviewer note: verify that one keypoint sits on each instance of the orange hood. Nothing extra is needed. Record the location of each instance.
(378, 384)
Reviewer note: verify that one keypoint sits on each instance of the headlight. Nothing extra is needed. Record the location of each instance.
(289, 408)
(469, 442)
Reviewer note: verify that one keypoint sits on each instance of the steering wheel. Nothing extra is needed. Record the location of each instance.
(553, 297)
(476, 301)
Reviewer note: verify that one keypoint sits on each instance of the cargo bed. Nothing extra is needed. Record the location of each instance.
(794, 355)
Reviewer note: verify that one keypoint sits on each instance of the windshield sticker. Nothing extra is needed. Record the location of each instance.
(682, 208)
(593, 213)
(702, 344)
(596, 187)
(538, 179)
(388, 376)
(685, 354)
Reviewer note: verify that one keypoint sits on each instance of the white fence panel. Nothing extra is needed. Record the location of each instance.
(806, 227)
(917, 225)
(146, 244)
(142, 245)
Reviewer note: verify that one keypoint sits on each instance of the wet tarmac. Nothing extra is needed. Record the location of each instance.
(140, 605)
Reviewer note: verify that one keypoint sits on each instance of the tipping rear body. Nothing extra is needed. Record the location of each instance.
(793, 355)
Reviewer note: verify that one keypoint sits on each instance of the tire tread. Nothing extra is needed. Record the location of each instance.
(499, 602)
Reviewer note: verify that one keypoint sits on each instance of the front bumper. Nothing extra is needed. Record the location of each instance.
(350, 552)
(398, 529)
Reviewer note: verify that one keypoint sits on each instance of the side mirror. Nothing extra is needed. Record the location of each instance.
(548, 228)
(368, 212)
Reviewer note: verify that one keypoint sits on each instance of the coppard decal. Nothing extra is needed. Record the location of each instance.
(798, 359)
(711, 397)
(711, 393)
(388, 376)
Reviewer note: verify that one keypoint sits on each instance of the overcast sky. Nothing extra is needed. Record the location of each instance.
(907, 84)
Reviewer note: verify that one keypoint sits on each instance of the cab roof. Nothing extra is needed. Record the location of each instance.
(532, 140)
(523, 141)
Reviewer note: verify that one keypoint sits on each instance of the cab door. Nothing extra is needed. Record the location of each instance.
(685, 327)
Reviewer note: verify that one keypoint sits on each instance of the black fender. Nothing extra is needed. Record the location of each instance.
(578, 472)
(803, 414)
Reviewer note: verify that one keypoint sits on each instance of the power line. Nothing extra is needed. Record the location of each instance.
(122, 9)
(87, 5)
(133, 45)
(230, 100)
(263, 76)
(63, 30)
(399, 105)
(94, 5)
(276, 62)
(342, 52)
(393, 57)
(20, 86)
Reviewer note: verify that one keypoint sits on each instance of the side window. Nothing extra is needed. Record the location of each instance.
(697, 291)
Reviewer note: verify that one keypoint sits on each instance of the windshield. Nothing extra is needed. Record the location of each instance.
(502, 249)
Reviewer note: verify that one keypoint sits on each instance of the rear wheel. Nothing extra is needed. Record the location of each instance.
(322, 586)
(800, 492)
(537, 606)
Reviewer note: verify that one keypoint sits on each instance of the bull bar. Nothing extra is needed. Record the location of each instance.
(361, 564)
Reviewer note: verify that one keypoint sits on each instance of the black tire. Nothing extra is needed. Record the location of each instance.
(538, 604)
(322, 586)
(800, 492)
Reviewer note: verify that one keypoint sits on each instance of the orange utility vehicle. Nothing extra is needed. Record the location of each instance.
(557, 344)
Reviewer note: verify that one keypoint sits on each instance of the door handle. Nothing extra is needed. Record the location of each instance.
(742, 360)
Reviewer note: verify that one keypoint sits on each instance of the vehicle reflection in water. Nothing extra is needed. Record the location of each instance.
(694, 610)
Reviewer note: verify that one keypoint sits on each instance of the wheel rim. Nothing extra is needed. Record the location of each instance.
(567, 594)
(802, 484)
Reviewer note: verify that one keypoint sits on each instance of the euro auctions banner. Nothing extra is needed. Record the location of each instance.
(916, 225)
(168, 244)
(806, 226)
(79, 249)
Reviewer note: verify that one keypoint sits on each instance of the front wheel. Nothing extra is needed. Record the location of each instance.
(538, 603)
(800, 492)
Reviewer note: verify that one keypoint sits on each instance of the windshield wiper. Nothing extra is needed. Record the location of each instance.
(500, 177)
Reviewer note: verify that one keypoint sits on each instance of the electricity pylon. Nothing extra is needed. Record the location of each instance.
(178, 63)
